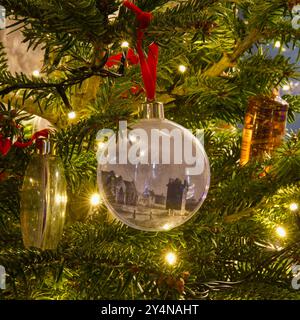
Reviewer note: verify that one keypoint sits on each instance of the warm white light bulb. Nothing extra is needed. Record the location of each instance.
(286, 87)
(167, 227)
(182, 68)
(36, 73)
(277, 44)
(95, 199)
(294, 206)
(132, 138)
(124, 44)
(101, 145)
(72, 115)
(171, 258)
(60, 198)
(281, 232)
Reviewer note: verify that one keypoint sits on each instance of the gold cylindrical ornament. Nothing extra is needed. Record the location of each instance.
(264, 126)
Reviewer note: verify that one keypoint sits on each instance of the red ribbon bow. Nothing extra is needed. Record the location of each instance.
(6, 144)
(149, 65)
(39, 134)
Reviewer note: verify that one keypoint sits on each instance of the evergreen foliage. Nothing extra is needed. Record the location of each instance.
(230, 249)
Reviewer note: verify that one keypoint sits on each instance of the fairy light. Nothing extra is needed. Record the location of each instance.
(132, 138)
(167, 226)
(124, 44)
(142, 153)
(60, 198)
(294, 206)
(36, 73)
(281, 232)
(95, 199)
(171, 258)
(286, 87)
(182, 68)
(101, 145)
(277, 44)
(72, 115)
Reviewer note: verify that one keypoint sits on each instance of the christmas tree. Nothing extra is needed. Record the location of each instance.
(215, 58)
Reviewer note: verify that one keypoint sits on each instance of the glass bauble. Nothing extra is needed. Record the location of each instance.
(43, 202)
(154, 176)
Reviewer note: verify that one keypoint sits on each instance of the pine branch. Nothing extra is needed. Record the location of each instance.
(230, 60)
(71, 81)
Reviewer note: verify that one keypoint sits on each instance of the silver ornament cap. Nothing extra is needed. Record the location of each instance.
(152, 110)
(44, 146)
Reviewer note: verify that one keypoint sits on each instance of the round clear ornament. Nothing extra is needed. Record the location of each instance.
(153, 175)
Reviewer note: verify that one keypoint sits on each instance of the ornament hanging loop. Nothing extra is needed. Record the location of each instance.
(149, 64)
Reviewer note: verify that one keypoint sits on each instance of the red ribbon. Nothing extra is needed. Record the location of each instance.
(43, 133)
(148, 65)
(6, 144)
(131, 57)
